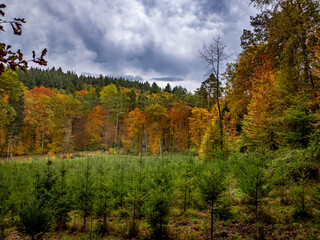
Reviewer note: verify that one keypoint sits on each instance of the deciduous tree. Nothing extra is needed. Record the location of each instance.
(38, 120)
(179, 123)
(198, 126)
(157, 122)
(213, 55)
(10, 89)
(136, 121)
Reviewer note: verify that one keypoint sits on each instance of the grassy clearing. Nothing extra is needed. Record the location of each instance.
(130, 197)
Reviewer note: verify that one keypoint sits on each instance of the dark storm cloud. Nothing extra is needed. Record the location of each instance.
(153, 59)
(129, 77)
(168, 79)
(140, 39)
(214, 6)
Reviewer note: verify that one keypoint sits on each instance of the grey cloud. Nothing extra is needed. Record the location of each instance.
(168, 79)
(157, 38)
(214, 6)
(129, 77)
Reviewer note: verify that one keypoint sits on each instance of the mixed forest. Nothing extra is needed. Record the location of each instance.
(237, 159)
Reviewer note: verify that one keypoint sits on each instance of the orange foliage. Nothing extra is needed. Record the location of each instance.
(5, 98)
(82, 92)
(156, 121)
(136, 121)
(37, 91)
(316, 70)
(95, 123)
(179, 122)
(241, 93)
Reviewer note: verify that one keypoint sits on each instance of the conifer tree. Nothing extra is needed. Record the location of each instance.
(160, 199)
(211, 187)
(85, 192)
(262, 119)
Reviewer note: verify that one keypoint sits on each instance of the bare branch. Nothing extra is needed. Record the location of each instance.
(214, 54)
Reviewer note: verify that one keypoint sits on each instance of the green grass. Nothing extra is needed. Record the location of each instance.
(128, 182)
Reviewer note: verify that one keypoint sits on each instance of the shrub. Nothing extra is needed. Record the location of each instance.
(211, 187)
(34, 220)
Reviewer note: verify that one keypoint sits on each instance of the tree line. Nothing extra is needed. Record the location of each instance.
(100, 116)
(270, 98)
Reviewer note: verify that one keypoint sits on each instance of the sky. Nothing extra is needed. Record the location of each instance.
(147, 40)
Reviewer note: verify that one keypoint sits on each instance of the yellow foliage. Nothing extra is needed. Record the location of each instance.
(198, 125)
(316, 59)
(157, 122)
(135, 122)
(261, 119)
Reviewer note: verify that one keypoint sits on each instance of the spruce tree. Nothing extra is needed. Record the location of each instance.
(211, 187)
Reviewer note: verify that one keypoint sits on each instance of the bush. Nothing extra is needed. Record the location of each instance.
(252, 178)
(160, 201)
(211, 187)
(223, 211)
(34, 220)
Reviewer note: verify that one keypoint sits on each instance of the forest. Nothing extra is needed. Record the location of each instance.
(237, 159)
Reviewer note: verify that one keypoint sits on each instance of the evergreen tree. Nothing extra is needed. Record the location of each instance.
(211, 187)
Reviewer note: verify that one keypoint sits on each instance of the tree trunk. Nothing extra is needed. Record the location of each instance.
(211, 227)
(220, 116)
(160, 143)
(119, 138)
(185, 198)
(9, 150)
(42, 142)
(208, 108)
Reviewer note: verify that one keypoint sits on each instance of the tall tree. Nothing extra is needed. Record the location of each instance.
(136, 121)
(66, 108)
(213, 55)
(110, 98)
(287, 26)
(95, 127)
(262, 119)
(239, 77)
(198, 126)
(38, 121)
(10, 89)
(179, 123)
(157, 122)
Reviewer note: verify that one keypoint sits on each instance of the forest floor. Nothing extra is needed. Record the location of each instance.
(190, 225)
(60, 155)
(234, 214)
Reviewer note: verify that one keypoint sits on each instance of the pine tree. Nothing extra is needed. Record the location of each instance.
(211, 187)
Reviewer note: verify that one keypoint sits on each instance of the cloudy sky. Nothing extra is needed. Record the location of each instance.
(147, 40)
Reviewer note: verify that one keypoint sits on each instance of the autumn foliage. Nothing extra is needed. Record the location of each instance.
(268, 97)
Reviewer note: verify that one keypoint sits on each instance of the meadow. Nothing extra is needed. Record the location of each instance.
(101, 196)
